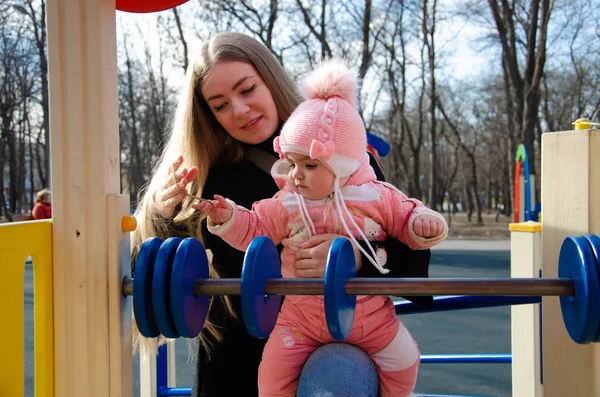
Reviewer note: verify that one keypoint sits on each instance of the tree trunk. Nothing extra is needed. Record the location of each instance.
(429, 21)
(475, 187)
(136, 179)
(184, 44)
(522, 94)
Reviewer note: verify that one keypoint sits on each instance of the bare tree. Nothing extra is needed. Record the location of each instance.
(184, 44)
(130, 109)
(458, 135)
(173, 31)
(317, 25)
(260, 21)
(147, 102)
(34, 12)
(16, 87)
(428, 23)
(404, 136)
(524, 76)
(571, 82)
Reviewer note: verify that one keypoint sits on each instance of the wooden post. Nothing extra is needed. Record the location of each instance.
(85, 171)
(526, 262)
(571, 206)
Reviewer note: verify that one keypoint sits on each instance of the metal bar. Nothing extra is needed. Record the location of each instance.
(162, 379)
(187, 391)
(175, 391)
(494, 358)
(404, 287)
(474, 286)
(447, 303)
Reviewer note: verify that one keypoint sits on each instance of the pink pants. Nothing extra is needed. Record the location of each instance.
(301, 328)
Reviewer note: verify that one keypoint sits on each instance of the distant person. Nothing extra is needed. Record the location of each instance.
(43, 205)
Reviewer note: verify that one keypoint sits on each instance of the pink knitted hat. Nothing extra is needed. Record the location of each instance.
(327, 125)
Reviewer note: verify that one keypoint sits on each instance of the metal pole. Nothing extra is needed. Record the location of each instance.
(406, 287)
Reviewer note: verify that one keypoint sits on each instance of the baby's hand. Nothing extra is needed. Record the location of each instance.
(219, 211)
(428, 226)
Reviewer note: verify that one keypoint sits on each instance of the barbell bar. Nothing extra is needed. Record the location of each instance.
(171, 287)
(386, 286)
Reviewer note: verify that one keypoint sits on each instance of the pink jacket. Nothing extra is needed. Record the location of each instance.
(379, 209)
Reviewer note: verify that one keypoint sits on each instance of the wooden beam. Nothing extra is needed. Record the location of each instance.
(570, 206)
(85, 170)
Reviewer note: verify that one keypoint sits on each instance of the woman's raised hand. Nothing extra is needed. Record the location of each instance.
(173, 191)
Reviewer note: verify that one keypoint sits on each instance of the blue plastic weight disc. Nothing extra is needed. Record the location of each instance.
(576, 261)
(260, 263)
(142, 288)
(161, 286)
(594, 283)
(189, 311)
(339, 307)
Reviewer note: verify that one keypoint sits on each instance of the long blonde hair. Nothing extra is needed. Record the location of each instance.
(203, 142)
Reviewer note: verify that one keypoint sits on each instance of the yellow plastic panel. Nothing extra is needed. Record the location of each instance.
(17, 242)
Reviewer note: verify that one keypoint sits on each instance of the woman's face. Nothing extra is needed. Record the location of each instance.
(241, 102)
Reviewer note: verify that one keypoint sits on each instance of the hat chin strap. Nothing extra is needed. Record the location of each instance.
(306, 219)
(342, 210)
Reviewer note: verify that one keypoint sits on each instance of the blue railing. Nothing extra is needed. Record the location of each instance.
(441, 303)
(460, 302)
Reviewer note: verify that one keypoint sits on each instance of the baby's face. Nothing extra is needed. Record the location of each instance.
(308, 177)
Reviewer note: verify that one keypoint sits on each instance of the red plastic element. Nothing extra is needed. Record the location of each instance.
(517, 190)
(144, 6)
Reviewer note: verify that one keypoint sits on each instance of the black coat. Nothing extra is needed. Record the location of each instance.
(233, 362)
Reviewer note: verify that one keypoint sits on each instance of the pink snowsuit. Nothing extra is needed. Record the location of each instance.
(381, 211)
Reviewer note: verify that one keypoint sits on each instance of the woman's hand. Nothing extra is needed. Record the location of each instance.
(173, 191)
(312, 257)
(219, 211)
(428, 226)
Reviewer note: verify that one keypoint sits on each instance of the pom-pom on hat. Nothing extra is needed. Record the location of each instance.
(327, 126)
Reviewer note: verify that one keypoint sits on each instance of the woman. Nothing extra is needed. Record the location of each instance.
(235, 98)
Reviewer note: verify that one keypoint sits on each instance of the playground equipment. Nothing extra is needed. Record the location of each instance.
(584, 124)
(525, 206)
(377, 145)
(146, 6)
(176, 271)
(85, 347)
(524, 185)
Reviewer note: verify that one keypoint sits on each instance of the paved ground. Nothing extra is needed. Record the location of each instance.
(467, 331)
(474, 245)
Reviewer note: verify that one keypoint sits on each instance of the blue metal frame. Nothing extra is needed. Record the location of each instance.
(162, 385)
(440, 303)
(494, 358)
(461, 302)
(488, 358)
(175, 391)
(186, 392)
